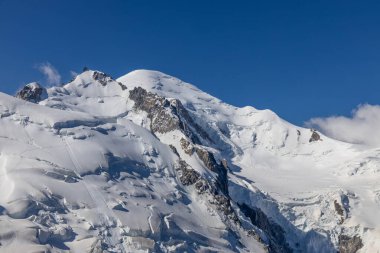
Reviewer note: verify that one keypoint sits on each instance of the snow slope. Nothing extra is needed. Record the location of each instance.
(276, 158)
(150, 163)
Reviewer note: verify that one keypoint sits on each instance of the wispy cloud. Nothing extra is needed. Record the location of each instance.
(362, 127)
(51, 74)
(73, 74)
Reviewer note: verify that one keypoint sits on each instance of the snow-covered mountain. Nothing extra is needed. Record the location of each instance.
(149, 163)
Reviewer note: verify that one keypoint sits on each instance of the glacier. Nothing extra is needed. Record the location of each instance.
(149, 163)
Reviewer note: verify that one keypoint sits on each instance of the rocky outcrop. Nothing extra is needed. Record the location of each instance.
(174, 149)
(101, 77)
(123, 87)
(349, 244)
(188, 176)
(32, 92)
(104, 79)
(338, 208)
(314, 136)
(187, 146)
(222, 202)
(166, 115)
(209, 161)
(274, 232)
(158, 109)
(202, 186)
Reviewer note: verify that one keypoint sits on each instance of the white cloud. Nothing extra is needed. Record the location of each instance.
(363, 127)
(51, 74)
(73, 74)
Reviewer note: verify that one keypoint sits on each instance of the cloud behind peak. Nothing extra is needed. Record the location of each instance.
(363, 127)
(50, 72)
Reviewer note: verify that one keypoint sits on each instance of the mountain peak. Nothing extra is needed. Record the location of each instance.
(93, 83)
(153, 74)
(150, 162)
(93, 75)
(32, 92)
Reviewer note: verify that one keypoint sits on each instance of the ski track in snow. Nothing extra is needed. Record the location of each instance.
(108, 219)
(7, 185)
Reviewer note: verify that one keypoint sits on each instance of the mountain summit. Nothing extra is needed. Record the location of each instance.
(32, 92)
(149, 163)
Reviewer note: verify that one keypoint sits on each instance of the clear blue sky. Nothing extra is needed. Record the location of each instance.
(301, 59)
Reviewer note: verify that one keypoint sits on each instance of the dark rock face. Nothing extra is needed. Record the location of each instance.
(349, 244)
(158, 109)
(202, 186)
(189, 176)
(102, 78)
(223, 204)
(123, 87)
(224, 164)
(32, 92)
(175, 151)
(187, 122)
(165, 115)
(187, 146)
(209, 161)
(314, 136)
(275, 233)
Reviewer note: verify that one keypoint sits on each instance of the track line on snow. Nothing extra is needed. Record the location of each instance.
(103, 210)
(6, 183)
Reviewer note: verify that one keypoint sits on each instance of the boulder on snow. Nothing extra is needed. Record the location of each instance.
(314, 136)
(187, 146)
(32, 92)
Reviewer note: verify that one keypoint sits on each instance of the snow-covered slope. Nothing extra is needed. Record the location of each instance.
(149, 163)
(318, 184)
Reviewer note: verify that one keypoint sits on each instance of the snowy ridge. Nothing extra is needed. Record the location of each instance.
(149, 163)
